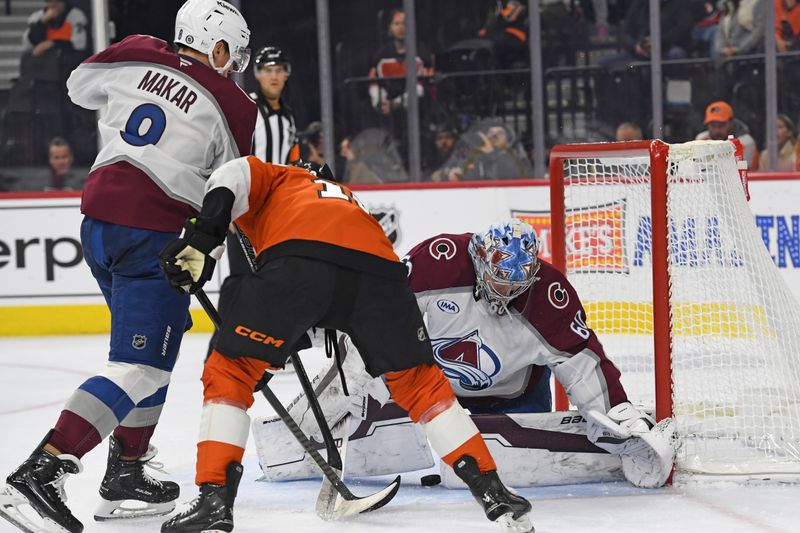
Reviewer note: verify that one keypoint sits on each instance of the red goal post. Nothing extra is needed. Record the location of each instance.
(656, 149)
(662, 248)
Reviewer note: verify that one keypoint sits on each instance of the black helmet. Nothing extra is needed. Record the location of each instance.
(271, 55)
(321, 171)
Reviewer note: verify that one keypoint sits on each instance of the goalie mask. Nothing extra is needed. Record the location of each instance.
(505, 262)
(201, 24)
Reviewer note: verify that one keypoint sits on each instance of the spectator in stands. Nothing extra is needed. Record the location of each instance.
(444, 144)
(59, 175)
(741, 29)
(493, 157)
(59, 25)
(600, 8)
(390, 96)
(677, 19)
(721, 124)
(787, 25)
(311, 147)
(629, 131)
(787, 144)
(705, 27)
(375, 150)
(505, 28)
(355, 170)
(60, 159)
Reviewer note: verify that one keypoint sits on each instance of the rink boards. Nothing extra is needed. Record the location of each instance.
(46, 288)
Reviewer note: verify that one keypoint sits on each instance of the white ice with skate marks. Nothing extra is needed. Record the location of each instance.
(38, 374)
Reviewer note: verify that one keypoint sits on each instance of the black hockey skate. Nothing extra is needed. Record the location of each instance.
(127, 481)
(39, 482)
(500, 504)
(212, 510)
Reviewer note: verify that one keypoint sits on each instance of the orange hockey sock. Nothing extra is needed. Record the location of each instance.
(426, 394)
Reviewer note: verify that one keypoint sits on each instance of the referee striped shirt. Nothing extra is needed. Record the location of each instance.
(274, 139)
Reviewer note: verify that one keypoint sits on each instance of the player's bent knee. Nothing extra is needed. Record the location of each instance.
(137, 380)
(418, 389)
(231, 379)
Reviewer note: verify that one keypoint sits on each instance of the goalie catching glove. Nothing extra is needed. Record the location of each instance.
(647, 449)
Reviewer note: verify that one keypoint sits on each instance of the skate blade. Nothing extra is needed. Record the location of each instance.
(10, 502)
(130, 509)
(520, 525)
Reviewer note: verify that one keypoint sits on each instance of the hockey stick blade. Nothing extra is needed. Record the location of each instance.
(351, 504)
(343, 507)
(328, 498)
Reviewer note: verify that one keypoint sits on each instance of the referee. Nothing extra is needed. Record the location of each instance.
(274, 141)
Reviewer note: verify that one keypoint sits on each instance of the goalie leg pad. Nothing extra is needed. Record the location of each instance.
(282, 458)
(534, 449)
(330, 395)
(387, 442)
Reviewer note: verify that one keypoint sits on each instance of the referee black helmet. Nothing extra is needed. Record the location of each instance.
(271, 55)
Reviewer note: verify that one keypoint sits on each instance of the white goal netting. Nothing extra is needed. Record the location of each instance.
(735, 326)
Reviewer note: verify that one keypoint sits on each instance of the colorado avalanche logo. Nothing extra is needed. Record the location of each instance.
(442, 247)
(558, 296)
(468, 360)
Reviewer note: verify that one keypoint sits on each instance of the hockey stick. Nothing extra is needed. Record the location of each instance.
(327, 501)
(328, 505)
(328, 508)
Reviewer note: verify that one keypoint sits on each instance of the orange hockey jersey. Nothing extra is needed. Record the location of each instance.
(287, 211)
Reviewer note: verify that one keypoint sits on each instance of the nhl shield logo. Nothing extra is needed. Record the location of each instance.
(139, 342)
(389, 219)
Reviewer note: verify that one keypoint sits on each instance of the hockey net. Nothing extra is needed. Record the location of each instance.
(722, 333)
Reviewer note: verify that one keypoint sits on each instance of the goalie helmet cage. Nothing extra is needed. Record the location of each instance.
(659, 241)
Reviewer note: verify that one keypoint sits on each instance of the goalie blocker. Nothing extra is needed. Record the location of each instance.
(530, 448)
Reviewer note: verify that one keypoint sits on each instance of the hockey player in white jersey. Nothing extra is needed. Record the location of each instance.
(498, 318)
(167, 121)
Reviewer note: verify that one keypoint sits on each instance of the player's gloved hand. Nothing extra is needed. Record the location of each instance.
(189, 261)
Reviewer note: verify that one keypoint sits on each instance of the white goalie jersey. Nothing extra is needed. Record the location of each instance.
(483, 354)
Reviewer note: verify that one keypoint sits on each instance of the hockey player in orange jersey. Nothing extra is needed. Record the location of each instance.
(323, 261)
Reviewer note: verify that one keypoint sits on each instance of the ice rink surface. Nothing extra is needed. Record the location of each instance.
(37, 375)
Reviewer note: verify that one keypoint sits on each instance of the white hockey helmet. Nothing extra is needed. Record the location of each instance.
(201, 24)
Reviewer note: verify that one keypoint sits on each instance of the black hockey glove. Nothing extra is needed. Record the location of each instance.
(189, 261)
